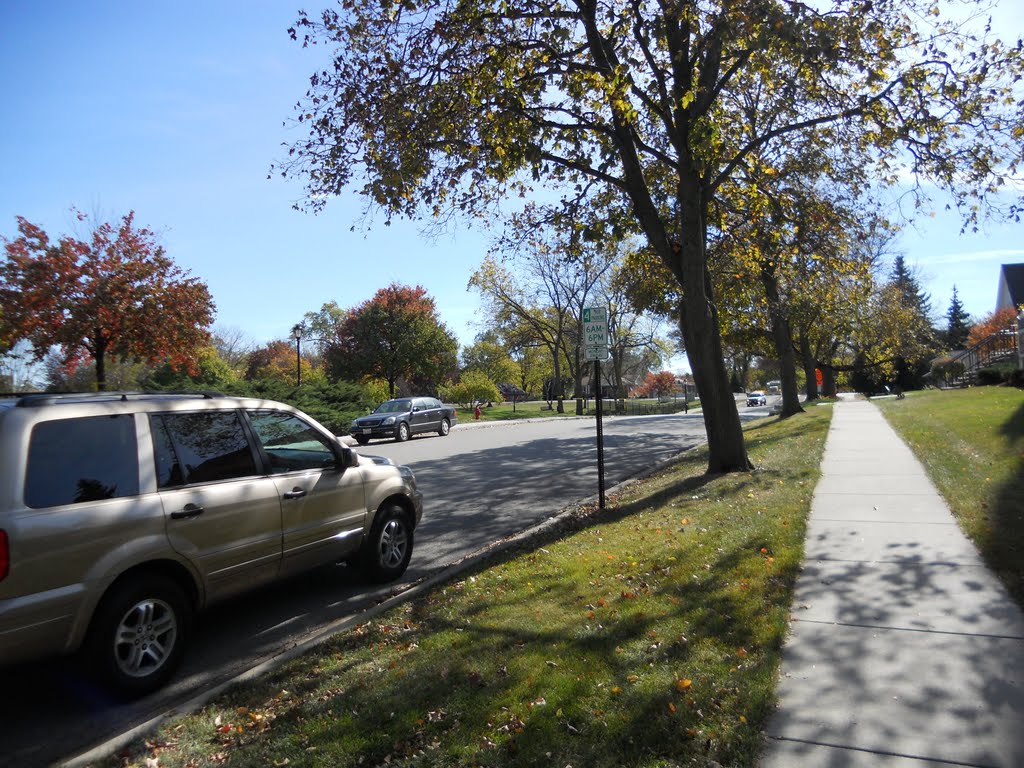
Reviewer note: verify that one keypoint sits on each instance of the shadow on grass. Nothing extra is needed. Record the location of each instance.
(517, 691)
(583, 670)
(1006, 546)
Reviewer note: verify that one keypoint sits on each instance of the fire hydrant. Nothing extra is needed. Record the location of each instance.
(476, 413)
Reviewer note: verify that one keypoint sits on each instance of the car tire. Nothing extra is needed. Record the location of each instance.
(402, 433)
(138, 635)
(362, 439)
(445, 428)
(386, 552)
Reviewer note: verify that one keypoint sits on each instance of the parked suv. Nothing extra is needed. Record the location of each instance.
(123, 514)
(403, 417)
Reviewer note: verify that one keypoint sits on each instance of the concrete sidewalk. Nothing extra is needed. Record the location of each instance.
(904, 650)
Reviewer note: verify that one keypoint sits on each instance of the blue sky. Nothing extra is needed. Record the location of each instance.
(177, 110)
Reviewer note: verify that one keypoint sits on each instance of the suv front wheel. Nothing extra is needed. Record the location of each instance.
(387, 551)
(138, 634)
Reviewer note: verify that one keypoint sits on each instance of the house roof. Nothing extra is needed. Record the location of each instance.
(511, 390)
(1011, 286)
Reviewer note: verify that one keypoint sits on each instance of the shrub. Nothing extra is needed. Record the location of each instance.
(945, 369)
(333, 405)
(996, 374)
(473, 386)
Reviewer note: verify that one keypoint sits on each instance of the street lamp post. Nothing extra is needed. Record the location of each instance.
(297, 335)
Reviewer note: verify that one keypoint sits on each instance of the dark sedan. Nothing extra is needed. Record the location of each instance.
(402, 418)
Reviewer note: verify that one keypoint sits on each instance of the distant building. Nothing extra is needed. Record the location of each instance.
(1011, 287)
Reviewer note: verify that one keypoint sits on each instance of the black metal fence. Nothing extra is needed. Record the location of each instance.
(637, 407)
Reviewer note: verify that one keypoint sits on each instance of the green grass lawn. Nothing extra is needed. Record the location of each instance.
(532, 409)
(648, 634)
(971, 442)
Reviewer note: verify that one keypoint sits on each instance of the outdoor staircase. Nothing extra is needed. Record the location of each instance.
(1000, 347)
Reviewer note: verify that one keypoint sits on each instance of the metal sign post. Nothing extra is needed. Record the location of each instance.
(595, 341)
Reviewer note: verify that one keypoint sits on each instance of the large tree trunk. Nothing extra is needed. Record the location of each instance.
(828, 383)
(783, 339)
(100, 357)
(555, 348)
(810, 369)
(727, 451)
(101, 373)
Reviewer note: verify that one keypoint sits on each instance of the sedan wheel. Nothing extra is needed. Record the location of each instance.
(445, 428)
(402, 433)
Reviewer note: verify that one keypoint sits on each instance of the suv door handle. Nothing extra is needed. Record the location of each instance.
(190, 510)
(295, 493)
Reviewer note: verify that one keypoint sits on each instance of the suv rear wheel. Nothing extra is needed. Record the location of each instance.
(138, 634)
(387, 551)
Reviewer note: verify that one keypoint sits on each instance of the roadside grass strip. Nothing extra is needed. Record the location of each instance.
(648, 635)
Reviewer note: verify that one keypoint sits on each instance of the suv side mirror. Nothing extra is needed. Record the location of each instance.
(347, 457)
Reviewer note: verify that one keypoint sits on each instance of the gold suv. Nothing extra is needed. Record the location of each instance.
(124, 514)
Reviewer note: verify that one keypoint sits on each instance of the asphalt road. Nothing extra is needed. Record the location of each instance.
(482, 483)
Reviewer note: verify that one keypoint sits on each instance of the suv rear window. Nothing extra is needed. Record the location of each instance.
(71, 461)
(200, 448)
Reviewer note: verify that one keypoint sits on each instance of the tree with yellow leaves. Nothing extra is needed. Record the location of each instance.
(436, 107)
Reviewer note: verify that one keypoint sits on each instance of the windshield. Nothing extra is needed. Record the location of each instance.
(394, 406)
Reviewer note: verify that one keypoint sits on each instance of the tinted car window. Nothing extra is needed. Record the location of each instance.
(71, 461)
(204, 447)
(290, 443)
(394, 406)
(168, 468)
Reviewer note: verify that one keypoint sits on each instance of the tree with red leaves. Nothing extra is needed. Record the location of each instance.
(276, 360)
(395, 335)
(657, 385)
(1000, 320)
(116, 295)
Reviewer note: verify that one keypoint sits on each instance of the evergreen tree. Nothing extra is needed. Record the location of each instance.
(910, 374)
(958, 323)
(906, 281)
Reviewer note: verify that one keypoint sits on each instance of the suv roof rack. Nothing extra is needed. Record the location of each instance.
(36, 399)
